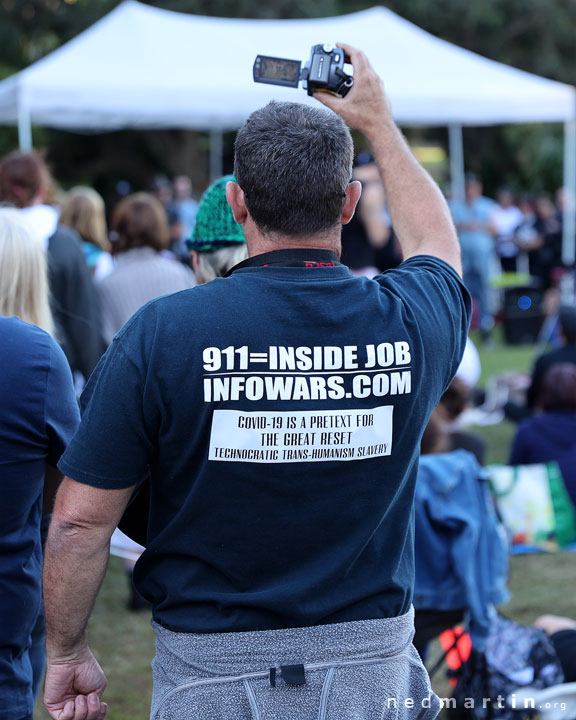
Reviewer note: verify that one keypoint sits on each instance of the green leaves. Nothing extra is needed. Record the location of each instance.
(533, 35)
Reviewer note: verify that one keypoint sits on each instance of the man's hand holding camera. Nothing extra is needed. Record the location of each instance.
(366, 106)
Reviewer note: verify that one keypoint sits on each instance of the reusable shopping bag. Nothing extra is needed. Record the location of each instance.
(533, 504)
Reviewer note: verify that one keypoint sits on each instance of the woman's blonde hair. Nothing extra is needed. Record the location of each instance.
(23, 278)
(216, 264)
(83, 210)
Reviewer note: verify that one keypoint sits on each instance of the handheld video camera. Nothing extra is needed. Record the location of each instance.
(322, 73)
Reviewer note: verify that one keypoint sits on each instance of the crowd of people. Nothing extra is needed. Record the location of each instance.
(515, 233)
(254, 567)
(512, 234)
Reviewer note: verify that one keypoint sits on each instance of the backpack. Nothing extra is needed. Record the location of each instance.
(516, 656)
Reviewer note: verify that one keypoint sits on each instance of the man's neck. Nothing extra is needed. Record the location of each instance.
(259, 243)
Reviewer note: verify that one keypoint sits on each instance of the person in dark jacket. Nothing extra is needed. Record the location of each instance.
(551, 435)
(24, 183)
(564, 354)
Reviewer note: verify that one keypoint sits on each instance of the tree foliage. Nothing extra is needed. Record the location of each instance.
(533, 35)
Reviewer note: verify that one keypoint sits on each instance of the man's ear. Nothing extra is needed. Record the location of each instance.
(236, 200)
(194, 258)
(353, 192)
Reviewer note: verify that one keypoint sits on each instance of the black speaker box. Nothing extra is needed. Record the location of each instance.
(522, 315)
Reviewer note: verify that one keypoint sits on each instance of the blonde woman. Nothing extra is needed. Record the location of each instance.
(38, 416)
(84, 211)
(23, 278)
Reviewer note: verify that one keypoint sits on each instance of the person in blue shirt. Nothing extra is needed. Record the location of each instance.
(473, 220)
(38, 415)
(278, 413)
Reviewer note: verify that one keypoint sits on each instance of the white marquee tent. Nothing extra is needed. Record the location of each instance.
(141, 66)
(144, 67)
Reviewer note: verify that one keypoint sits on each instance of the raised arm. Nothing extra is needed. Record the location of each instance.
(419, 214)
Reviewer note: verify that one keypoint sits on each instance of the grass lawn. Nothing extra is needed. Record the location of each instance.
(124, 642)
(498, 357)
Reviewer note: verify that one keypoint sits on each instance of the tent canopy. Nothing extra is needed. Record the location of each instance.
(141, 66)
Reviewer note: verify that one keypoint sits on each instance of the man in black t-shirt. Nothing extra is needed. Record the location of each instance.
(278, 412)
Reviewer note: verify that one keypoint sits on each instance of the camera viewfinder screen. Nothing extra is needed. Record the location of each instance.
(277, 71)
(287, 70)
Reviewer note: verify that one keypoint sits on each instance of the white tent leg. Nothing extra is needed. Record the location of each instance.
(569, 213)
(456, 149)
(569, 216)
(216, 153)
(24, 125)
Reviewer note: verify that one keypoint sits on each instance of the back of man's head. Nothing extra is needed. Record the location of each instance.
(293, 163)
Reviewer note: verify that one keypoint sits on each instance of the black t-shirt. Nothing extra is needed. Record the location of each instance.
(279, 412)
(357, 252)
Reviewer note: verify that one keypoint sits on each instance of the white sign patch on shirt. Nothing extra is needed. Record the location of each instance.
(302, 436)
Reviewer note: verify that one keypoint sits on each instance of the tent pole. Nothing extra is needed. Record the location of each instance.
(569, 211)
(456, 150)
(216, 154)
(24, 124)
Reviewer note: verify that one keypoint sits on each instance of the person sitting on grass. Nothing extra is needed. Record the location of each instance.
(562, 633)
(566, 353)
(551, 435)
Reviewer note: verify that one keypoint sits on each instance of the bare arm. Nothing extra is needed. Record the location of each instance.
(76, 558)
(419, 214)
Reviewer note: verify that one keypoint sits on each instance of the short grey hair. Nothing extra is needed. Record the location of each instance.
(216, 264)
(294, 163)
